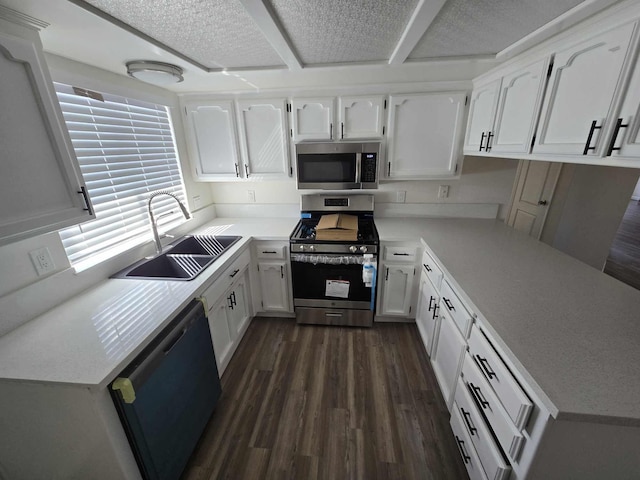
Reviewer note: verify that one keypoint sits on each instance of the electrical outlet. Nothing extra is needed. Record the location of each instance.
(252, 196)
(401, 197)
(42, 261)
(443, 191)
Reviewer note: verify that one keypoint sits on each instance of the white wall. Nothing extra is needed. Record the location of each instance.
(483, 180)
(636, 192)
(588, 210)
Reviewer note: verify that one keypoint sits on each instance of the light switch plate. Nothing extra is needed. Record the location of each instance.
(401, 197)
(42, 261)
(443, 191)
(252, 196)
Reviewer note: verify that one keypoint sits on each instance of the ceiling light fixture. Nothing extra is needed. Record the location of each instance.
(156, 73)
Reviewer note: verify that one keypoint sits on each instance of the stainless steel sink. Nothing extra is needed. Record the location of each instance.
(184, 260)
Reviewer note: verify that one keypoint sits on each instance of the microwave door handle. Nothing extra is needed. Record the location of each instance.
(358, 167)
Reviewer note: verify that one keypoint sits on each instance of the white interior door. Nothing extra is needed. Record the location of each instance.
(536, 182)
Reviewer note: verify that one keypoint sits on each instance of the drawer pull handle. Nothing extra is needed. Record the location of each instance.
(467, 419)
(487, 147)
(427, 267)
(484, 365)
(477, 394)
(235, 272)
(612, 144)
(465, 457)
(269, 251)
(589, 137)
(435, 311)
(401, 254)
(449, 305)
(482, 141)
(430, 303)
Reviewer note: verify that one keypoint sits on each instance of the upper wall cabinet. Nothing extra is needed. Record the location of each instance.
(625, 139)
(42, 188)
(359, 118)
(482, 110)
(579, 104)
(425, 136)
(213, 139)
(264, 142)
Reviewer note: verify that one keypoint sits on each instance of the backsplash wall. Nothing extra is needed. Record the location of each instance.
(483, 180)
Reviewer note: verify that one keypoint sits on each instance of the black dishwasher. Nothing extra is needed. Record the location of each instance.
(167, 394)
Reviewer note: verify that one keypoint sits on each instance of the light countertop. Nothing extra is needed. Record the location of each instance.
(572, 331)
(90, 338)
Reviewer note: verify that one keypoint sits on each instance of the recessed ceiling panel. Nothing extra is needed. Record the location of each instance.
(215, 33)
(338, 31)
(484, 27)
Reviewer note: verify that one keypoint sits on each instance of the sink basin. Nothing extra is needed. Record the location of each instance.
(184, 260)
(203, 244)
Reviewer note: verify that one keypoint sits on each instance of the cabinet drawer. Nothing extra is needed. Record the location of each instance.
(228, 276)
(450, 303)
(491, 458)
(516, 403)
(432, 270)
(401, 254)
(465, 447)
(509, 437)
(271, 250)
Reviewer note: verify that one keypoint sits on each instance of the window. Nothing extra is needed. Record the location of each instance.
(126, 150)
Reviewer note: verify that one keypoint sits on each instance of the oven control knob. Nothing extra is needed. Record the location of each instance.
(353, 249)
(301, 247)
(311, 248)
(363, 249)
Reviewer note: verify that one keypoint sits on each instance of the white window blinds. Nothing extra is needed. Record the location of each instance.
(126, 151)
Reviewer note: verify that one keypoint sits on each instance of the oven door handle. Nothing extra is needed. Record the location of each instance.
(358, 168)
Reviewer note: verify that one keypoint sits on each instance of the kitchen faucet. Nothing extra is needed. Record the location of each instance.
(154, 227)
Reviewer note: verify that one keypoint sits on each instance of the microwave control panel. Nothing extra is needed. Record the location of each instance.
(369, 167)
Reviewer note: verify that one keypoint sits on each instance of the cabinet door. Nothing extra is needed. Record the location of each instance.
(424, 135)
(263, 135)
(482, 109)
(397, 290)
(239, 312)
(41, 180)
(312, 119)
(274, 286)
(360, 117)
(212, 136)
(220, 334)
(447, 358)
(427, 313)
(518, 108)
(580, 92)
(625, 141)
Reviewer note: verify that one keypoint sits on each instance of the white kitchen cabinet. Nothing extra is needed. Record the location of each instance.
(447, 357)
(213, 140)
(274, 286)
(360, 117)
(313, 119)
(41, 183)
(482, 110)
(581, 92)
(427, 313)
(397, 290)
(229, 309)
(264, 141)
(425, 135)
(625, 139)
(519, 103)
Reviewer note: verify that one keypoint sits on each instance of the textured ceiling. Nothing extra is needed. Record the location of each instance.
(215, 33)
(482, 27)
(241, 34)
(338, 31)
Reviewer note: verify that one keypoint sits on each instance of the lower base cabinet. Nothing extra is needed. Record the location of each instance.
(274, 285)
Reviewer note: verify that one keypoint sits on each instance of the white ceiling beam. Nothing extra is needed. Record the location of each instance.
(275, 35)
(423, 15)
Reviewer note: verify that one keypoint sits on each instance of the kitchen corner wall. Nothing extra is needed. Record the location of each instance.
(483, 180)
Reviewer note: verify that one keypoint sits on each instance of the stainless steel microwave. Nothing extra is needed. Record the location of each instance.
(337, 166)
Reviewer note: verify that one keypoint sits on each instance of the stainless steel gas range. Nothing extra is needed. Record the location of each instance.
(327, 275)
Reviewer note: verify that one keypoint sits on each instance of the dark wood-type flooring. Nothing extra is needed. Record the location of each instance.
(623, 262)
(311, 402)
